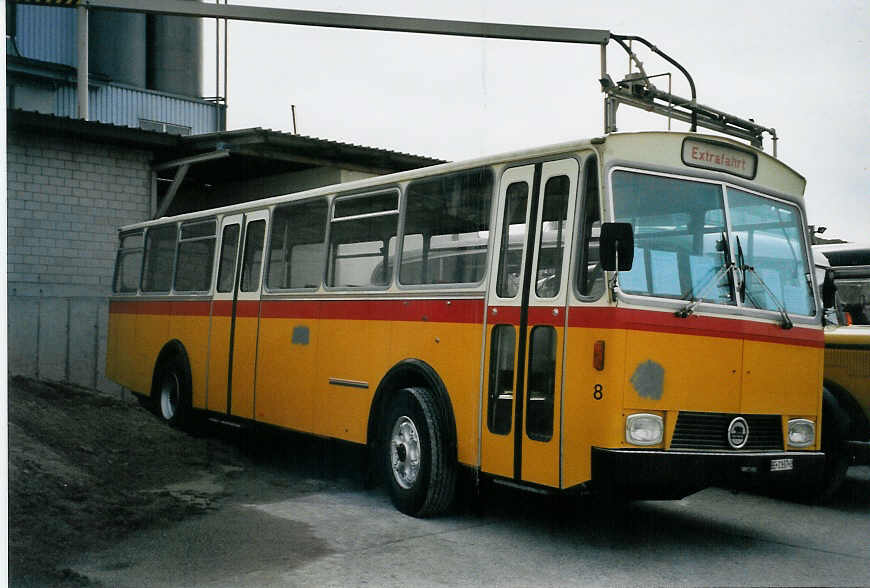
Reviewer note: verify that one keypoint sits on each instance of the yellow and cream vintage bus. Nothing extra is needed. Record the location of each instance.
(846, 402)
(633, 314)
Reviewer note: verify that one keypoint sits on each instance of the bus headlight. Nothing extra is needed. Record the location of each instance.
(801, 432)
(644, 429)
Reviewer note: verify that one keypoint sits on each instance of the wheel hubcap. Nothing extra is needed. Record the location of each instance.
(405, 452)
(169, 396)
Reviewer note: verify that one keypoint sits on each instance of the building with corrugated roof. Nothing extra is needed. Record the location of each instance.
(152, 146)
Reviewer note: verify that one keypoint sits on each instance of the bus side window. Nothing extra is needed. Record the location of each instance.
(362, 242)
(552, 238)
(227, 268)
(447, 229)
(195, 259)
(255, 235)
(159, 255)
(542, 383)
(590, 276)
(512, 240)
(501, 379)
(297, 247)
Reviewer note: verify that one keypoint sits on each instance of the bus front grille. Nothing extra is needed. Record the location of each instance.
(709, 431)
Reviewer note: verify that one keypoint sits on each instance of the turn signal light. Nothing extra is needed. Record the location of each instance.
(598, 356)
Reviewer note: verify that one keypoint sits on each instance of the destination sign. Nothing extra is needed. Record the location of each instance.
(719, 157)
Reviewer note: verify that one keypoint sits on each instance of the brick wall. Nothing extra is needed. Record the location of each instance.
(66, 199)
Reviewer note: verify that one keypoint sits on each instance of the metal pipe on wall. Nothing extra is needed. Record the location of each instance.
(82, 49)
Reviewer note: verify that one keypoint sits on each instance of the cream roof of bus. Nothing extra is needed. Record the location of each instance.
(663, 148)
(628, 146)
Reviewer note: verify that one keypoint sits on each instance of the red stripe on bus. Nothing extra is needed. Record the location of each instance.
(503, 315)
(553, 316)
(247, 308)
(123, 307)
(163, 307)
(471, 311)
(300, 309)
(436, 311)
(191, 308)
(666, 322)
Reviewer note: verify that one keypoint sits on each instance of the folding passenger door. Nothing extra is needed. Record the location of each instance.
(236, 315)
(222, 314)
(521, 432)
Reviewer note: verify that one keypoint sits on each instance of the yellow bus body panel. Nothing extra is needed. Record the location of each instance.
(349, 350)
(218, 363)
(849, 367)
(781, 379)
(192, 332)
(244, 363)
(496, 450)
(591, 420)
(452, 350)
(286, 373)
(700, 373)
(541, 458)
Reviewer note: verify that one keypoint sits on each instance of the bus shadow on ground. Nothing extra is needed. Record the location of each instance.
(296, 455)
(589, 521)
(854, 495)
(291, 457)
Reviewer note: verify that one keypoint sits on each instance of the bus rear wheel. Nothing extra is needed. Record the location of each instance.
(172, 392)
(421, 475)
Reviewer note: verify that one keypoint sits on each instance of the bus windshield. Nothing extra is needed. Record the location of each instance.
(684, 248)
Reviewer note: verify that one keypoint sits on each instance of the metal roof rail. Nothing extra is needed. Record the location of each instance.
(637, 90)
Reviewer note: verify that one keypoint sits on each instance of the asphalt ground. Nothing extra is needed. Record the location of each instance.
(295, 512)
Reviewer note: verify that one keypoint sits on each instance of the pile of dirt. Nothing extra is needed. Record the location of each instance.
(86, 469)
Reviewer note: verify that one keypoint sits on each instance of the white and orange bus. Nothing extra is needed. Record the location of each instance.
(633, 314)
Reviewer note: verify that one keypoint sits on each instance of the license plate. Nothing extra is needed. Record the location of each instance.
(781, 465)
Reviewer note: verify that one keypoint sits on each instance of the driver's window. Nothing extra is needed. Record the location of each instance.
(590, 275)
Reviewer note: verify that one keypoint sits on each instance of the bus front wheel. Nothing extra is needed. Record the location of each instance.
(421, 475)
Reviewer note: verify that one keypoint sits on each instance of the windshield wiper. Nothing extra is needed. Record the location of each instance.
(687, 310)
(741, 265)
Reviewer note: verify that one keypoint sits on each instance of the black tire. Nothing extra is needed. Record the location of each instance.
(835, 430)
(421, 473)
(171, 394)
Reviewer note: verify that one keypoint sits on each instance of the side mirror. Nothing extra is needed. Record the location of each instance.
(828, 290)
(617, 244)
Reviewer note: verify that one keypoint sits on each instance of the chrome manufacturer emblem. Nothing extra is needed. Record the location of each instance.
(738, 433)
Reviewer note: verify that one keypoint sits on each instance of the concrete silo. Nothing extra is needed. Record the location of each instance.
(175, 55)
(117, 46)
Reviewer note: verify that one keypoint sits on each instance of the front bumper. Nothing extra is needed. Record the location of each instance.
(668, 475)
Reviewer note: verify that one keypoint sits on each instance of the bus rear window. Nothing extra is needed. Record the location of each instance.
(128, 264)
